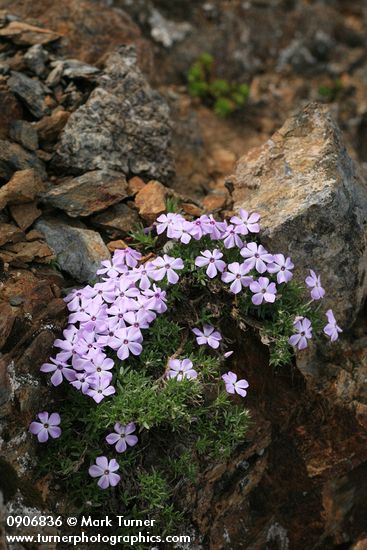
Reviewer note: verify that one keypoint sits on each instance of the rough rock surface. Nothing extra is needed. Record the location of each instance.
(31, 91)
(23, 187)
(117, 221)
(13, 157)
(123, 126)
(89, 193)
(313, 204)
(79, 250)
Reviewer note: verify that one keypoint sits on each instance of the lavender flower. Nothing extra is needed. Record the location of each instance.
(181, 369)
(213, 260)
(80, 383)
(303, 329)
(231, 237)
(60, 371)
(166, 266)
(237, 276)
(246, 223)
(313, 281)
(126, 341)
(156, 299)
(282, 267)
(142, 274)
(207, 336)
(256, 257)
(48, 426)
(332, 329)
(105, 471)
(100, 390)
(126, 256)
(168, 222)
(233, 385)
(263, 290)
(122, 437)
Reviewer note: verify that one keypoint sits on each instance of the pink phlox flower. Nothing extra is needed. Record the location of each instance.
(48, 426)
(211, 259)
(100, 389)
(208, 336)
(332, 329)
(282, 267)
(200, 226)
(60, 370)
(313, 281)
(231, 237)
(106, 471)
(126, 257)
(122, 437)
(142, 275)
(256, 257)
(264, 291)
(181, 369)
(303, 329)
(156, 299)
(137, 319)
(166, 267)
(126, 341)
(169, 222)
(236, 274)
(233, 385)
(216, 229)
(247, 223)
(110, 270)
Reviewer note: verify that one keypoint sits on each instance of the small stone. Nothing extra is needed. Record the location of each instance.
(116, 245)
(191, 209)
(36, 58)
(26, 252)
(13, 157)
(10, 109)
(34, 235)
(31, 92)
(55, 75)
(89, 193)
(9, 233)
(79, 251)
(222, 161)
(214, 202)
(135, 184)
(49, 127)
(117, 220)
(25, 214)
(24, 34)
(23, 187)
(73, 68)
(151, 201)
(7, 319)
(24, 133)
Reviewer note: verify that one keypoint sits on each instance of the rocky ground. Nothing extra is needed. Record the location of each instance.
(97, 131)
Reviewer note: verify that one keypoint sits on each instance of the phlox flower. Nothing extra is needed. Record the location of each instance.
(216, 229)
(303, 330)
(126, 341)
(282, 267)
(81, 383)
(106, 471)
(212, 259)
(313, 281)
(263, 290)
(181, 369)
(207, 336)
(142, 275)
(156, 299)
(99, 367)
(73, 299)
(256, 257)
(111, 270)
(48, 426)
(332, 329)
(122, 288)
(122, 436)
(183, 229)
(236, 274)
(100, 389)
(246, 223)
(169, 222)
(67, 345)
(233, 385)
(87, 343)
(231, 237)
(60, 371)
(137, 319)
(166, 266)
(126, 257)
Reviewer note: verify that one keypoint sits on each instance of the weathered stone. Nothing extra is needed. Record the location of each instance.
(26, 252)
(10, 233)
(25, 214)
(7, 318)
(36, 58)
(214, 201)
(151, 201)
(31, 92)
(123, 126)
(24, 34)
(89, 193)
(13, 157)
(23, 187)
(135, 184)
(24, 133)
(73, 68)
(10, 109)
(117, 220)
(55, 75)
(313, 205)
(49, 127)
(79, 251)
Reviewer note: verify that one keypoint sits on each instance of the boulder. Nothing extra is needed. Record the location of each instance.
(89, 193)
(313, 205)
(123, 126)
(79, 250)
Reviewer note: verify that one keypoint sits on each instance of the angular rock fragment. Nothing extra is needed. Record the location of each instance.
(73, 68)
(27, 252)
(49, 127)
(24, 34)
(23, 187)
(10, 109)
(79, 251)
(25, 214)
(9, 233)
(117, 220)
(13, 158)
(124, 125)
(24, 133)
(151, 200)
(89, 193)
(31, 91)
(36, 58)
(313, 205)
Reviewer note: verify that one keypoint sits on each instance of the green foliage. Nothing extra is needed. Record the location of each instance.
(172, 205)
(143, 239)
(331, 92)
(223, 96)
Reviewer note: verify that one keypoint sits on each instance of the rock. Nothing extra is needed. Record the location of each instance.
(31, 92)
(123, 126)
(24, 133)
(25, 214)
(49, 127)
(214, 201)
(89, 193)
(23, 187)
(26, 252)
(313, 205)
(10, 234)
(191, 209)
(135, 184)
(24, 34)
(151, 201)
(13, 157)
(5, 387)
(36, 58)
(10, 109)
(167, 32)
(73, 68)
(55, 75)
(117, 220)
(79, 251)
(7, 319)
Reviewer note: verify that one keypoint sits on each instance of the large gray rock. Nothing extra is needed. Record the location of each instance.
(89, 193)
(124, 125)
(79, 251)
(31, 91)
(313, 204)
